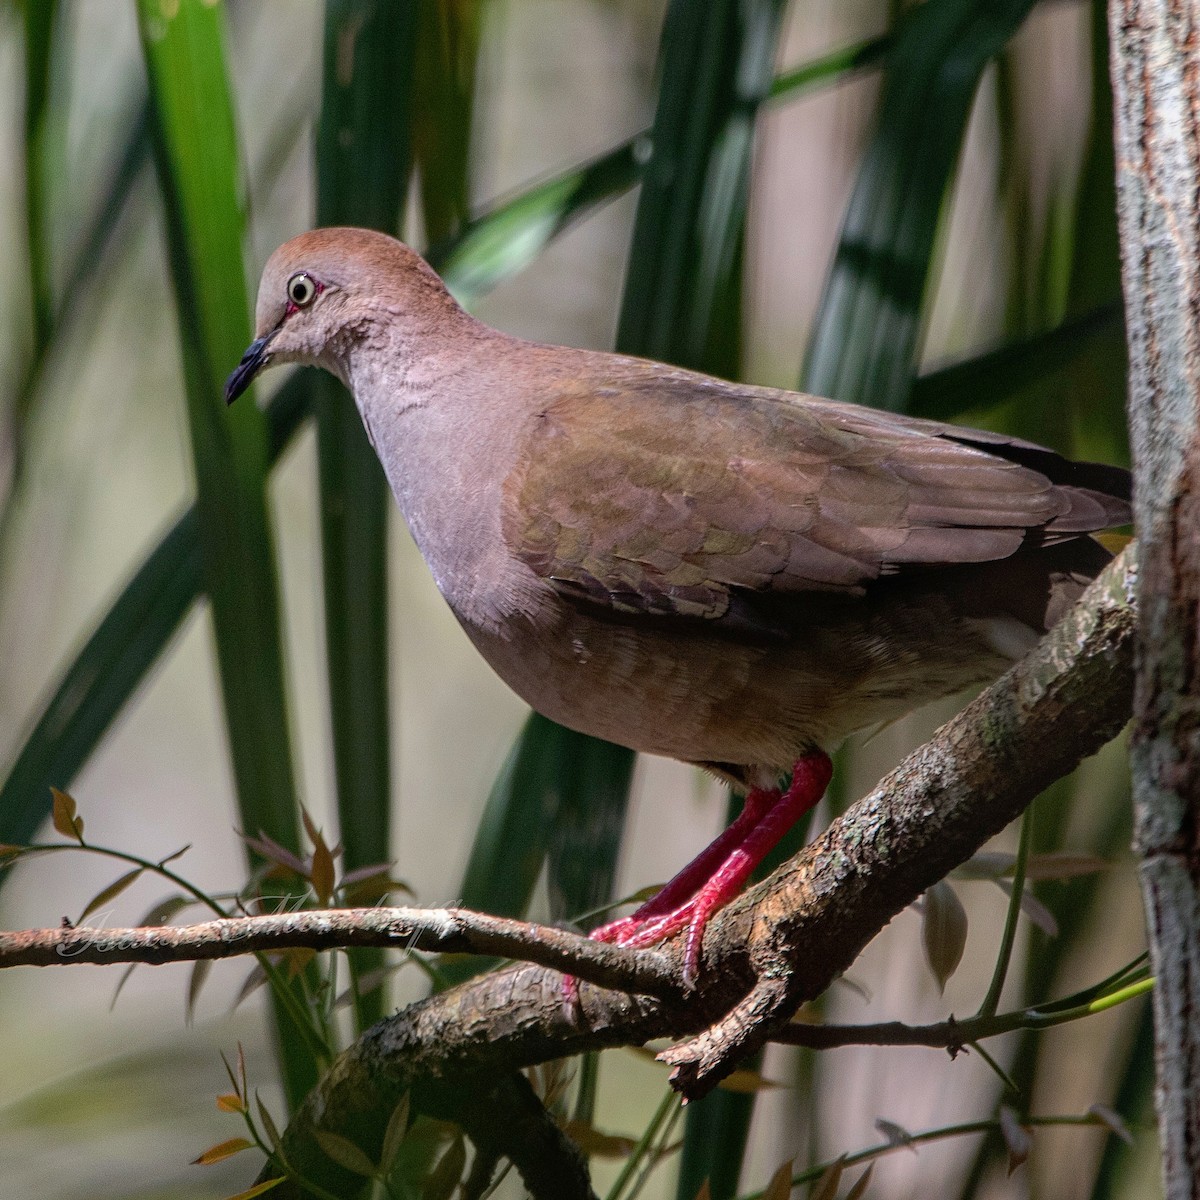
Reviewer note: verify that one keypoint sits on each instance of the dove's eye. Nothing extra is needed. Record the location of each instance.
(302, 289)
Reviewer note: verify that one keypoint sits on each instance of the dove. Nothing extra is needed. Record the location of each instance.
(734, 576)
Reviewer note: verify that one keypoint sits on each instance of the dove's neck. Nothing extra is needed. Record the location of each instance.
(435, 403)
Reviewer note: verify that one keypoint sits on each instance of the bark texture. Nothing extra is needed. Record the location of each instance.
(1156, 85)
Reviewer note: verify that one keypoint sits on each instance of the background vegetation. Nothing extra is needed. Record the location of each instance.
(207, 617)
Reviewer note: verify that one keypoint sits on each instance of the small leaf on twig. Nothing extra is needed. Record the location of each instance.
(443, 1179)
(1016, 1138)
(345, 1153)
(164, 911)
(943, 931)
(111, 892)
(859, 1190)
(253, 981)
(895, 1135)
(63, 814)
(273, 852)
(229, 1071)
(825, 1188)
(366, 885)
(222, 1151)
(1033, 908)
(859, 988)
(258, 1189)
(314, 834)
(393, 1137)
(1114, 1121)
(125, 974)
(1061, 864)
(269, 1127)
(170, 858)
(200, 971)
(322, 874)
(596, 1144)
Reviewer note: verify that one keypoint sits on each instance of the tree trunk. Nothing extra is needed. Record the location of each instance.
(1156, 85)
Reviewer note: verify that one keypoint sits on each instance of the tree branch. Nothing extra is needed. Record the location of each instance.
(449, 930)
(1155, 47)
(786, 940)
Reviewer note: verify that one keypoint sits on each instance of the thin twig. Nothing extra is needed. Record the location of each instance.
(449, 930)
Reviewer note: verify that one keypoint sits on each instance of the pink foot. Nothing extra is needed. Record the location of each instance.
(718, 873)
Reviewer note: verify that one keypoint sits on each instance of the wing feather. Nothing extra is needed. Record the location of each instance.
(681, 495)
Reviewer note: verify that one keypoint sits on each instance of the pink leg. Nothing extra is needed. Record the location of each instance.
(809, 781)
(718, 873)
(681, 887)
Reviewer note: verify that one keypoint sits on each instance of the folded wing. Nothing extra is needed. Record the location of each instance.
(673, 494)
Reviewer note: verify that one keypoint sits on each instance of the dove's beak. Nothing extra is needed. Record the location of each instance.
(253, 361)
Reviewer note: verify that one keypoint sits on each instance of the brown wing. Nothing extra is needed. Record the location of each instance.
(670, 493)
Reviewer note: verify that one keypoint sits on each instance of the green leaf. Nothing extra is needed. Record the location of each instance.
(865, 341)
(511, 236)
(88, 264)
(258, 1189)
(64, 816)
(111, 892)
(222, 1151)
(394, 1134)
(41, 21)
(197, 156)
(512, 836)
(44, 152)
(991, 379)
(943, 931)
(559, 788)
(268, 1123)
(445, 99)
(362, 172)
(830, 67)
(715, 65)
(344, 1152)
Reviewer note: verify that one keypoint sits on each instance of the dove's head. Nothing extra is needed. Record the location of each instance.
(326, 291)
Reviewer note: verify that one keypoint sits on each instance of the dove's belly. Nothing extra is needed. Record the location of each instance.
(689, 694)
